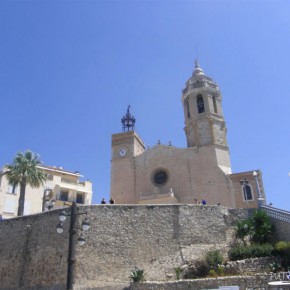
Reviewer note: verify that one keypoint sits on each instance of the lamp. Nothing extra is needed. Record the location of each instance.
(261, 200)
(62, 216)
(81, 240)
(59, 228)
(85, 224)
(72, 238)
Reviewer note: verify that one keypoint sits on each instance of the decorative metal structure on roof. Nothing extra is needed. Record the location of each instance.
(128, 121)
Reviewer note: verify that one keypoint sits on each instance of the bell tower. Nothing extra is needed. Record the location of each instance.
(125, 147)
(204, 121)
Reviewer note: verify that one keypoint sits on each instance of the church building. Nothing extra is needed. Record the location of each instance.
(164, 174)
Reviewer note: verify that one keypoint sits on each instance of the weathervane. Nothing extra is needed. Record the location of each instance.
(128, 121)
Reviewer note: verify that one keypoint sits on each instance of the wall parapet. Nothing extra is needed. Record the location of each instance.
(258, 282)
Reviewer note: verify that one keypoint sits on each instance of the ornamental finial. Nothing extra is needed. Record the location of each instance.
(128, 121)
(197, 69)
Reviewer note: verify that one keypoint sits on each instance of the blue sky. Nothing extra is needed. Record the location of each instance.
(68, 70)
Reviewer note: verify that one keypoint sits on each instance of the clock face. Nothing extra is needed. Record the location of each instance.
(122, 152)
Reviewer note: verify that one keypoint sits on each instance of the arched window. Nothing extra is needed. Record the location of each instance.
(247, 192)
(214, 104)
(200, 104)
(187, 108)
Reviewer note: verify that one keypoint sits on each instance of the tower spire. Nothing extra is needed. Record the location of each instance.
(128, 121)
(197, 69)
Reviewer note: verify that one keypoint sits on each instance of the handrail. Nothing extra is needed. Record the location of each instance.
(277, 213)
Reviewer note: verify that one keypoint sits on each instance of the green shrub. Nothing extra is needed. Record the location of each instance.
(238, 253)
(212, 273)
(283, 250)
(258, 228)
(262, 227)
(220, 270)
(214, 258)
(178, 273)
(282, 247)
(274, 267)
(137, 275)
(252, 251)
(243, 229)
(200, 269)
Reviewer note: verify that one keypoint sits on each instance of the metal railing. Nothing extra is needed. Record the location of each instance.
(279, 214)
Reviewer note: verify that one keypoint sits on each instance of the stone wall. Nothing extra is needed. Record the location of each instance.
(32, 253)
(282, 230)
(254, 265)
(281, 220)
(151, 237)
(255, 282)
(156, 238)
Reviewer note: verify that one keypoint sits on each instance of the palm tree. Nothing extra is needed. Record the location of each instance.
(243, 229)
(262, 227)
(24, 171)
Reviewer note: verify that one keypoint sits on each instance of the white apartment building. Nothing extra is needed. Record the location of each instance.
(61, 187)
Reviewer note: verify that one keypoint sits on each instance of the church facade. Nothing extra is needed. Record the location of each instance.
(200, 172)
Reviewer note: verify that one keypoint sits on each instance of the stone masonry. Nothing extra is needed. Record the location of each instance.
(156, 238)
(32, 253)
(253, 282)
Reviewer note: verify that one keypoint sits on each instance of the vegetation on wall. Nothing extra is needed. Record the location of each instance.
(243, 230)
(251, 251)
(198, 269)
(214, 258)
(254, 239)
(137, 275)
(261, 227)
(178, 273)
(257, 229)
(283, 250)
(255, 235)
(211, 266)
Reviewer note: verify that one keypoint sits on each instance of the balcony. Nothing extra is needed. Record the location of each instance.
(68, 180)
